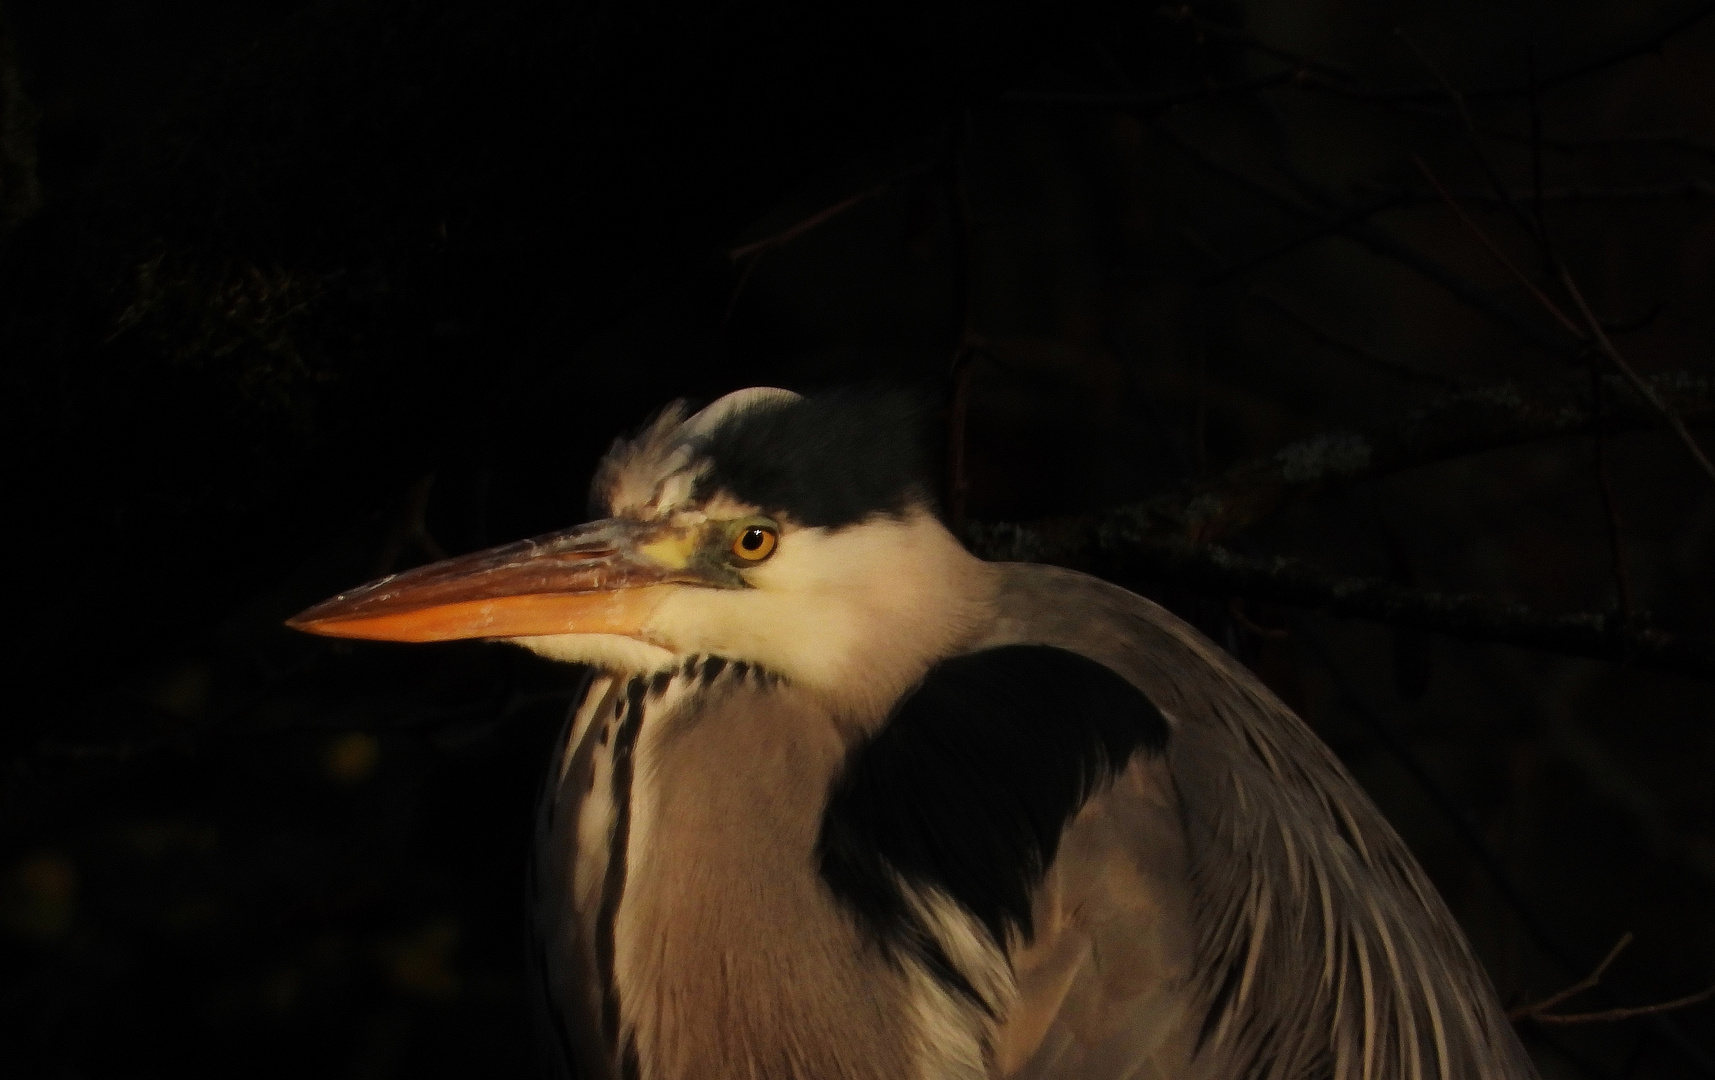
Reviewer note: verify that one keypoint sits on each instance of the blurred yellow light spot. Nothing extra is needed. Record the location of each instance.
(184, 691)
(281, 990)
(154, 839)
(420, 963)
(38, 896)
(192, 912)
(351, 757)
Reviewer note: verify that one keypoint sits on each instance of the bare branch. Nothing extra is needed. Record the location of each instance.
(1541, 1014)
(1500, 256)
(1152, 102)
(1462, 289)
(1236, 609)
(1649, 43)
(1592, 329)
(1609, 1016)
(1494, 178)
(1182, 16)
(1647, 392)
(821, 217)
(410, 531)
(1465, 827)
(1337, 225)
(958, 481)
(1624, 595)
(965, 347)
(1352, 225)
(799, 228)
(1309, 73)
(1368, 356)
(1652, 42)
(1588, 982)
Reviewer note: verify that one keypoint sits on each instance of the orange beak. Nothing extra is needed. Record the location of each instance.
(606, 577)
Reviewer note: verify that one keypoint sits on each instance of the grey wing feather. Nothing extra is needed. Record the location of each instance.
(1318, 947)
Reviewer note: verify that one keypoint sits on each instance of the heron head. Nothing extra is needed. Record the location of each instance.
(794, 533)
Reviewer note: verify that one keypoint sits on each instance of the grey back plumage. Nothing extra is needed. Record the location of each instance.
(1232, 908)
(1320, 948)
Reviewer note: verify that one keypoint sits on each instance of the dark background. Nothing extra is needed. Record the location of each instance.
(296, 293)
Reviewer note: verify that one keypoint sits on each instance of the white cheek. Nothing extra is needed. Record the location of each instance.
(609, 652)
(802, 634)
(854, 614)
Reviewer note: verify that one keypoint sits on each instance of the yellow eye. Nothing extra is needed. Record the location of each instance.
(755, 544)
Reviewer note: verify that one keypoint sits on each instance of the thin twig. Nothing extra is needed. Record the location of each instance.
(1540, 1011)
(1464, 290)
(1644, 389)
(1609, 1016)
(1200, 422)
(1483, 162)
(1592, 330)
(799, 228)
(1153, 101)
(958, 478)
(411, 529)
(1236, 608)
(1623, 595)
(1339, 344)
(1535, 154)
(1483, 237)
(1182, 16)
(822, 217)
(737, 291)
(1457, 816)
(1333, 226)
(1653, 42)
(1378, 242)
(1639, 803)
(1466, 828)
(1155, 420)
(1586, 983)
(965, 346)
(1309, 73)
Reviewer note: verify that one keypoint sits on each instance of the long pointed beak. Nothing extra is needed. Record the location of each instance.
(602, 578)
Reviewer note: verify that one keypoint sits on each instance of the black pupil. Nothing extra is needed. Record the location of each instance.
(751, 540)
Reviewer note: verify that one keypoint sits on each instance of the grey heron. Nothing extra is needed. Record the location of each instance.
(840, 799)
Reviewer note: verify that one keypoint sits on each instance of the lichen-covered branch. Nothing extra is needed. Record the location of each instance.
(1125, 548)
(1172, 535)
(1453, 426)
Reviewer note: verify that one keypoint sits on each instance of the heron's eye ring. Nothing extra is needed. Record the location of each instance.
(755, 544)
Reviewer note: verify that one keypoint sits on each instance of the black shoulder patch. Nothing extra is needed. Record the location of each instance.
(971, 782)
(827, 460)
